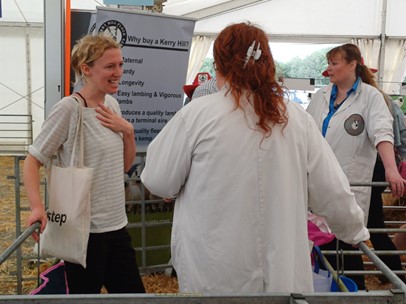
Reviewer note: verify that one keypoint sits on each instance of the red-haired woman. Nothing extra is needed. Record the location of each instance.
(245, 165)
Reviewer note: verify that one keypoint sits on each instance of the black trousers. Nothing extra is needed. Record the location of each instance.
(110, 263)
(381, 241)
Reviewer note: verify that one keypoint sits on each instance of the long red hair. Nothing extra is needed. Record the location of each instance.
(256, 77)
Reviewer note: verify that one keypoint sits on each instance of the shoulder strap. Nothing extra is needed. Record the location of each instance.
(84, 100)
(79, 132)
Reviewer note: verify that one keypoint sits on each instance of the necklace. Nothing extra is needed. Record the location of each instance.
(84, 99)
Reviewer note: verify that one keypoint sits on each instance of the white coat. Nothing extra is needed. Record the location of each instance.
(354, 131)
(240, 220)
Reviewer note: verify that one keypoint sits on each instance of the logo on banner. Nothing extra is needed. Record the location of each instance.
(116, 30)
(92, 29)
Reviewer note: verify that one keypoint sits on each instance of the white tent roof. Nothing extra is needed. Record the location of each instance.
(31, 11)
(296, 17)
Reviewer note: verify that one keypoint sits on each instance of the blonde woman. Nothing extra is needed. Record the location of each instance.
(109, 150)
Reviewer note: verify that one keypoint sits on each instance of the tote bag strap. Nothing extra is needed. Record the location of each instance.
(79, 127)
(328, 267)
(78, 132)
(318, 257)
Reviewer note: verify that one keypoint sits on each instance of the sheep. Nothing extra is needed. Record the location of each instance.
(133, 192)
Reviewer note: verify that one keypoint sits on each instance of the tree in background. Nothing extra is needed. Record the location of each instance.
(207, 66)
(309, 67)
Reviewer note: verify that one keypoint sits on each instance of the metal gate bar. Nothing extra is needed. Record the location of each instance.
(382, 266)
(18, 242)
(143, 225)
(376, 297)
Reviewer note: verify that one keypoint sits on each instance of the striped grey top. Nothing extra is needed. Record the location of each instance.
(103, 153)
(206, 88)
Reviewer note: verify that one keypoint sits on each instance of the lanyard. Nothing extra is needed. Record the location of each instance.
(332, 108)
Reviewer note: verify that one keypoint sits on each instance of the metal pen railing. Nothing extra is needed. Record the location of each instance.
(18, 242)
(342, 253)
(393, 296)
(143, 249)
(387, 272)
(15, 133)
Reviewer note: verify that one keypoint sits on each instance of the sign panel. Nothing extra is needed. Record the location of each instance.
(156, 51)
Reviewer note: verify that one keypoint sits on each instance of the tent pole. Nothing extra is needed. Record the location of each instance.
(67, 52)
(28, 69)
(29, 86)
(381, 72)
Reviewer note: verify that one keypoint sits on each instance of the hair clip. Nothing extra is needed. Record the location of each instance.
(256, 54)
(249, 53)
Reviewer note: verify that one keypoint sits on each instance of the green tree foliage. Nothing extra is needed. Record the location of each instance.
(309, 67)
(207, 66)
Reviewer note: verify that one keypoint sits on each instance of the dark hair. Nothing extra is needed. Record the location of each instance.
(255, 76)
(350, 52)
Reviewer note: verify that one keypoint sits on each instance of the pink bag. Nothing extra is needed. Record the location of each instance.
(317, 236)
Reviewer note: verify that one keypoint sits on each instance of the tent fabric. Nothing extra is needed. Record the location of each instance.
(22, 65)
(31, 11)
(198, 51)
(395, 65)
(395, 61)
(22, 76)
(297, 17)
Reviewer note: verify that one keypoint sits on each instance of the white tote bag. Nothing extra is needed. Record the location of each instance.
(67, 232)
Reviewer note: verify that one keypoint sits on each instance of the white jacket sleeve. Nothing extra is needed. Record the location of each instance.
(168, 161)
(330, 195)
(379, 120)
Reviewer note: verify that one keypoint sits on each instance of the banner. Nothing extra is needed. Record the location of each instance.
(156, 51)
